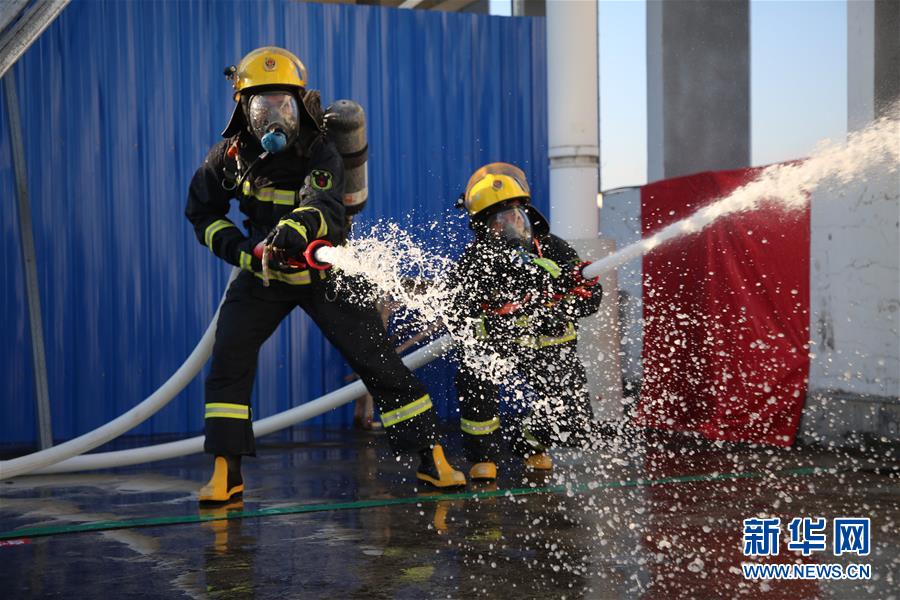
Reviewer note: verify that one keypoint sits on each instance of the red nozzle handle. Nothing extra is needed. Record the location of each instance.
(258, 250)
(290, 262)
(310, 254)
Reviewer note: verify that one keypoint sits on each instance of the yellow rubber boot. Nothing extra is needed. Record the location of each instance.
(435, 469)
(224, 484)
(539, 462)
(483, 471)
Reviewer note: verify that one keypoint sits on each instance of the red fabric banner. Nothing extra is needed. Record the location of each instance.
(726, 316)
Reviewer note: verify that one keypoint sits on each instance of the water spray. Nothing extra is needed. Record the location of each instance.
(383, 257)
(785, 185)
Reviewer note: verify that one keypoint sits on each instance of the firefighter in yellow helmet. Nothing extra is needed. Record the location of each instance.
(280, 163)
(519, 295)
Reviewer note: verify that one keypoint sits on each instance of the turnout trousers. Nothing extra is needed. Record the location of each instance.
(560, 411)
(252, 312)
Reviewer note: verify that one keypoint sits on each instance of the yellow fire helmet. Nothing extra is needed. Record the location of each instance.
(497, 183)
(268, 65)
(492, 184)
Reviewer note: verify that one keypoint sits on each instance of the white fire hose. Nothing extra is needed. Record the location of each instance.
(277, 422)
(69, 456)
(129, 420)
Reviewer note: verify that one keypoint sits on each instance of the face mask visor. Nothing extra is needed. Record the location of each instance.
(274, 119)
(511, 224)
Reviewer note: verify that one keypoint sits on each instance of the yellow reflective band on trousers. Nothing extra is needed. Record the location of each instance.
(212, 229)
(268, 194)
(323, 226)
(227, 411)
(543, 341)
(480, 427)
(407, 411)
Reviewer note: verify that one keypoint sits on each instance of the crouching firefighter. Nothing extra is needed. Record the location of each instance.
(280, 160)
(520, 294)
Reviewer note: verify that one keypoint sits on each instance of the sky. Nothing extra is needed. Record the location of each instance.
(798, 82)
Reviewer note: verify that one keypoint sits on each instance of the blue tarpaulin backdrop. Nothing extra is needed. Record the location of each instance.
(120, 103)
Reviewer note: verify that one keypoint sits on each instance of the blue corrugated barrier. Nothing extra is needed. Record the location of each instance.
(120, 102)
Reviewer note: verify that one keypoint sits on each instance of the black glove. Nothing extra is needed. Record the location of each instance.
(575, 296)
(572, 282)
(289, 237)
(251, 252)
(278, 262)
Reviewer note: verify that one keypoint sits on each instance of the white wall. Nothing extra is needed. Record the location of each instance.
(598, 338)
(854, 283)
(620, 221)
(854, 378)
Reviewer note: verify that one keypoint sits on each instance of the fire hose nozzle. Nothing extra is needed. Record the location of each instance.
(310, 255)
(583, 277)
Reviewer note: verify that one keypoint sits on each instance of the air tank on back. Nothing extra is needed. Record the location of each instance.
(345, 122)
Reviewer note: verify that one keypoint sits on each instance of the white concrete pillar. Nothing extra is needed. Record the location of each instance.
(873, 60)
(574, 152)
(860, 64)
(572, 98)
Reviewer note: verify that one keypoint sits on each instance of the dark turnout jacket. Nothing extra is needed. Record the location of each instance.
(305, 182)
(528, 296)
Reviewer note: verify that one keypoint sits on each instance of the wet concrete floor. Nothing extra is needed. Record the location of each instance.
(660, 518)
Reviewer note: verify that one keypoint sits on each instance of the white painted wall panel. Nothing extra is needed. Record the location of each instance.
(855, 288)
(620, 221)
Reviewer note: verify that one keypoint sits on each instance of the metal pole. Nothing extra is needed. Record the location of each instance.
(18, 38)
(42, 395)
(9, 10)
